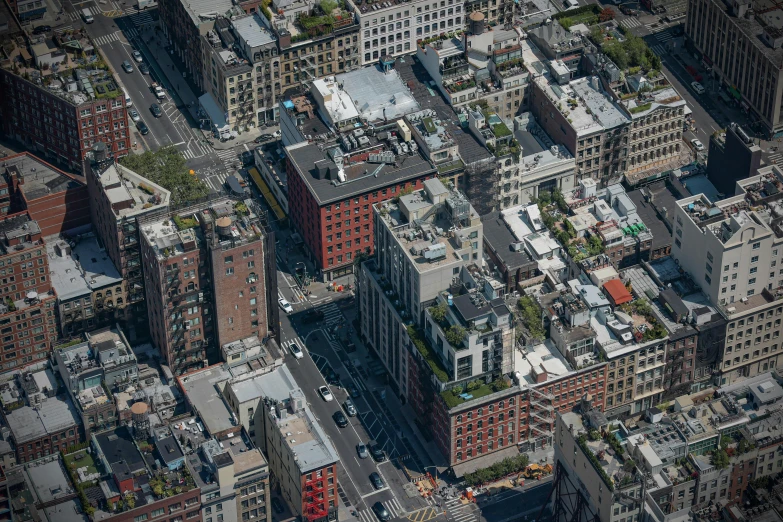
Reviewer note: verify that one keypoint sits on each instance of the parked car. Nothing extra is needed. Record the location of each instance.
(285, 305)
(326, 393)
(127, 67)
(699, 88)
(137, 56)
(134, 114)
(353, 391)
(381, 512)
(377, 452)
(158, 91)
(42, 29)
(143, 129)
(697, 145)
(376, 480)
(340, 419)
(350, 407)
(296, 351)
(263, 137)
(155, 110)
(144, 68)
(361, 449)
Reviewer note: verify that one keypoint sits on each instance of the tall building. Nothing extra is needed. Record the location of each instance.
(740, 42)
(330, 195)
(272, 407)
(27, 311)
(733, 156)
(394, 29)
(206, 282)
(61, 119)
(119, 197)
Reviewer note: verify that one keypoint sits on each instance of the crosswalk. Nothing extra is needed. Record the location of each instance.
(460, 512)
(228, 157)
(393, 506)
(139, 18)
(78, 14)
(775, 158)
(298, 342)
(201, 150)
(216, 182)
(107, 38)
(660, 50)
(630, 22)
(332, 314)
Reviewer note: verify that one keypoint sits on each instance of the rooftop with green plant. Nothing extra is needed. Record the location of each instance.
(472, 390)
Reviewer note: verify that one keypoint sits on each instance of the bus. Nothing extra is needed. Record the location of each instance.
(146, 4)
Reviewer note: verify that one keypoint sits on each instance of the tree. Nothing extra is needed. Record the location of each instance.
(438, 312)
(531, 316)
(455, 335)
(720, 459)
(606, 14)
(166, 167)
(629, 465)
(327, 6)
(725, 440)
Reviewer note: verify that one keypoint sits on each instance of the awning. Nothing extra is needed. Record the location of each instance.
(734, 92)
(216, 116)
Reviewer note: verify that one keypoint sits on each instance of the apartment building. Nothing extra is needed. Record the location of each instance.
(495, 12)
(233, 478)
(422, 241)
(740, 43)
(60, 119)
(330, 195)
(273, 407)
(27, 312)
(393, 29)
(243, 57)
(205, 281)
(42, 423)
(118, 198)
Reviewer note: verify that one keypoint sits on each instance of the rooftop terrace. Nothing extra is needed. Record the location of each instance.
(130, 194)
(38, 177)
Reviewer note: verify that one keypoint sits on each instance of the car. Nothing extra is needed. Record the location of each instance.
(127, 67)
(353, 391)
(697, 145)
(277, 505)
(326, 393)
(350, 407)
(42, 29)
(263, 138)
(377, 452)
(699, 88)
(134, 114)
(156, 110)
(144, 68)
(276, 134)
(361, 449)
(340, 419)
(376, 480)
(143, 129)
(381, 512)
(296, 351)
(627, 11)
(137, 56)
(285, 305)
(312, 316)
(158, 91)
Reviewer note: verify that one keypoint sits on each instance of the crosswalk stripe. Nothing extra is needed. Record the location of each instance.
(395, 507)
(463, 515)
(658, 49)
(630, 22)
(107, 38)
(776, 157)
(366, 516)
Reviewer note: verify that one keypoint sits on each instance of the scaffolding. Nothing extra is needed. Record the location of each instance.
(482, 185)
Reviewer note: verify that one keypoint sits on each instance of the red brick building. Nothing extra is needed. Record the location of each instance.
(27, 319)
(63, 126)
(56, 200)
(331, 207)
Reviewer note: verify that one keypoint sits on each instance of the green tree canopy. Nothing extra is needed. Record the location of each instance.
(166, 167)
(455, 335)
(720, 459)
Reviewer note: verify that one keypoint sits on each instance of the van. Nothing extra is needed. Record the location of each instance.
(87, 16)
(128, 101)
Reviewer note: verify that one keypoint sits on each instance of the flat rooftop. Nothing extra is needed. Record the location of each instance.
(201, 389)
(49, 480)
(130, 193)
(378, 95)
(118, 447)
(500, 239)
(768, 12)
(18, 228)
(360, 177)
(86, 269)
(541, 357)
(39, 178)
(253, 31)
(203, 11)
(54, 415)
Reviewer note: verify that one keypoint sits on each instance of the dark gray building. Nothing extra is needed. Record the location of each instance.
(732, 156)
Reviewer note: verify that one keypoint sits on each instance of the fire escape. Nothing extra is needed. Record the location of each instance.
(315, 504)
(542, 416)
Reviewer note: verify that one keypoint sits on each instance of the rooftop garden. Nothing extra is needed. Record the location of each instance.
(473, 390)
(323, 20)
(184, 223)
(497, 471)
(428, 354)
(630, 54)
(166, 167)
(581, 440)
(588, 15)
(438, 38)
(530, 315)
(461, 85)
(642, 308)
(510, 64)
(640, 108)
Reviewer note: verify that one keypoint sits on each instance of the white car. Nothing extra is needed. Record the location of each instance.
(697, 145)
(277, 134)
(326, 393)
(134, 114)
(296, 351)
(285, 305)
(137, 56)
(698, 87)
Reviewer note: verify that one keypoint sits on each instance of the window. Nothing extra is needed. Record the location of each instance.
(229, 271)
(228, 259)
(140, 518)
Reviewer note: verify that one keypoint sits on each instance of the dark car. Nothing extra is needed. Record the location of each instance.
(377, 481)
(340, 419)
(144, 68)
(155, 109)
(277, 505)
(312, 316)
(264, 137)
(381, 512)
(41, 29)
(377, 452)
(143, 129)
(353, 391)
